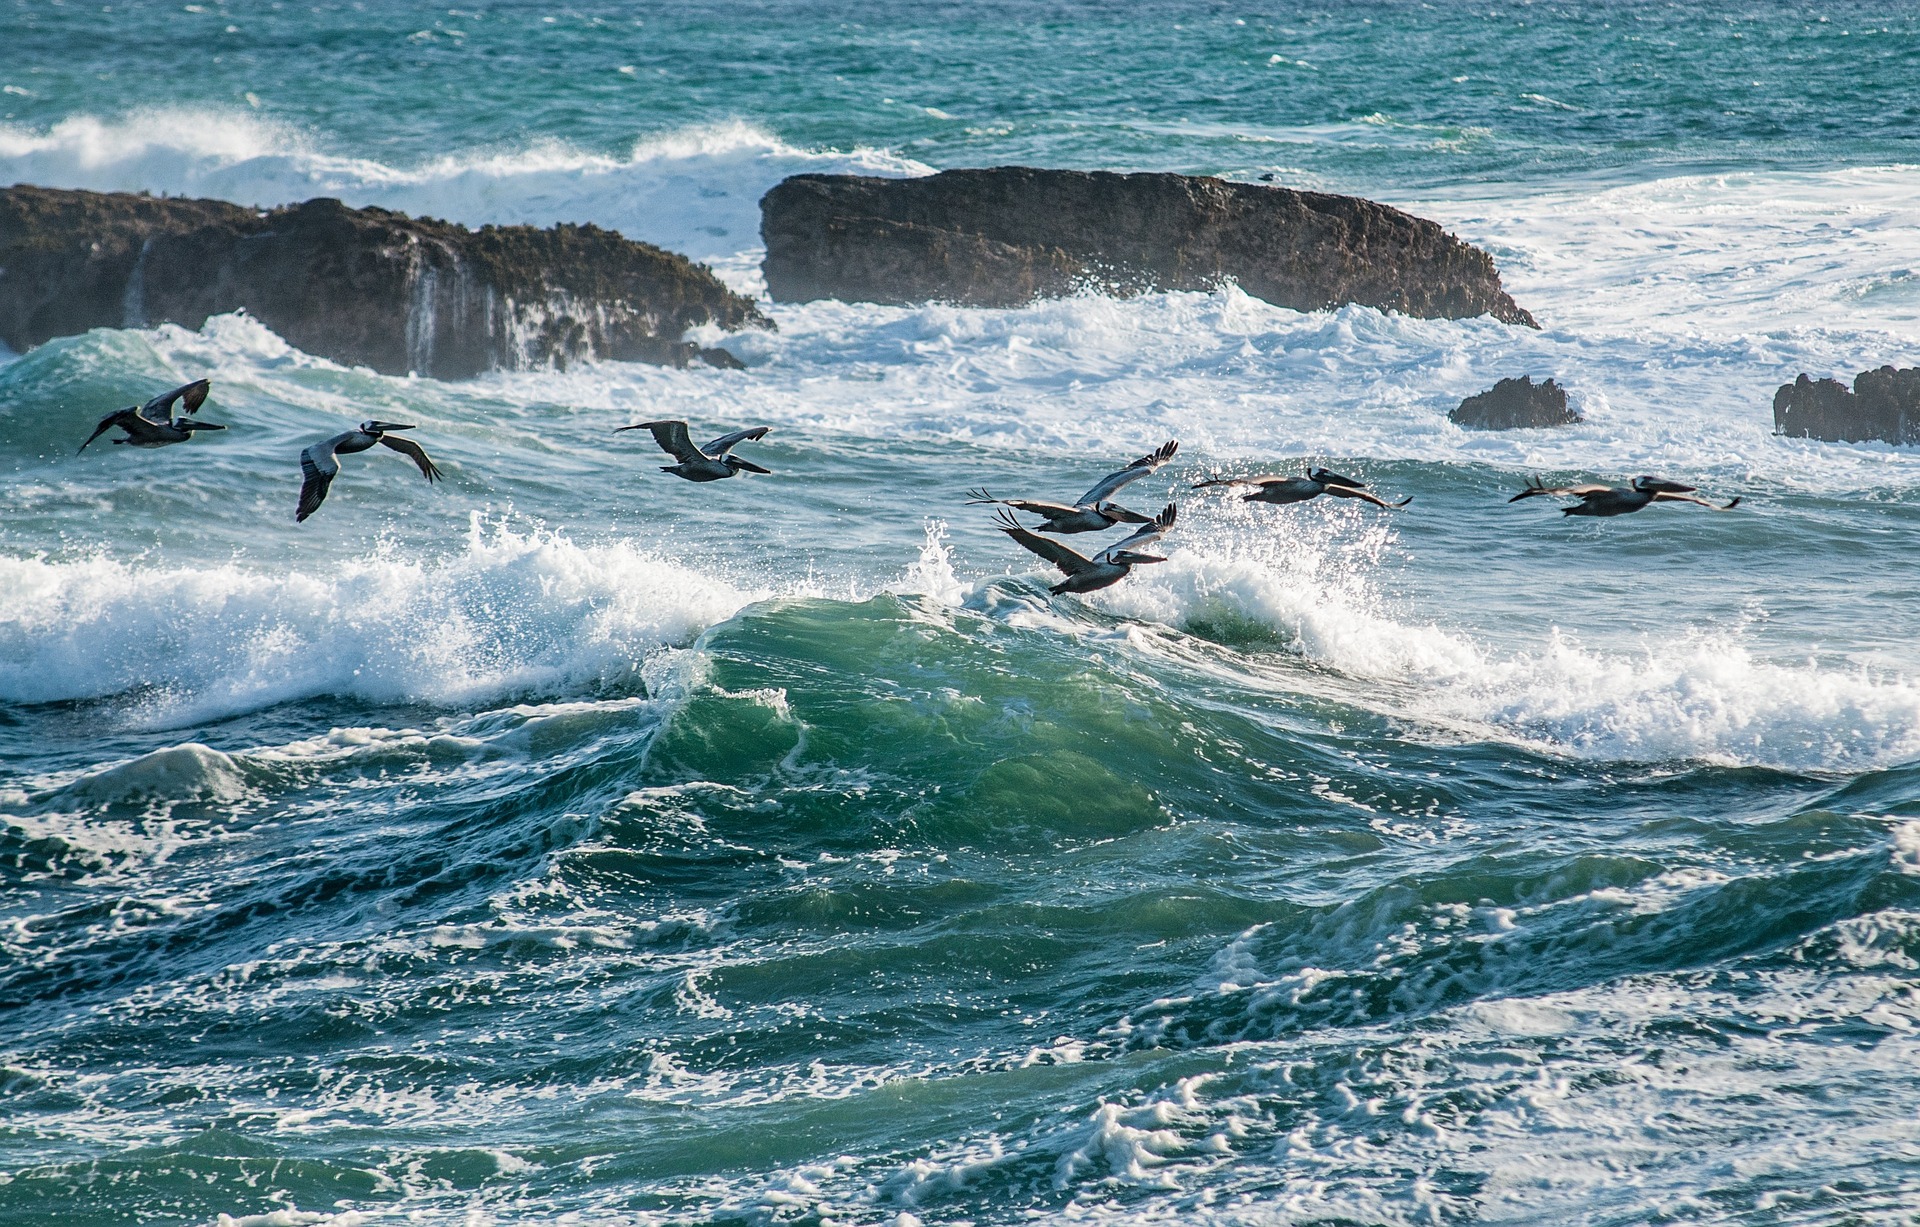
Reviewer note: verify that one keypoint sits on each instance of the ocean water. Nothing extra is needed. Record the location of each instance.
(565, 843)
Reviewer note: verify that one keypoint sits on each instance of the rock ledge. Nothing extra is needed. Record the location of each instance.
(361, 286)
(1883, 404)
(1516, 404)
(1004, 236)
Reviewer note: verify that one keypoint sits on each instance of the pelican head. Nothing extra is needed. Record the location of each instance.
(1658, 485)
(371, 427)
(736, 464)
(1327, 477)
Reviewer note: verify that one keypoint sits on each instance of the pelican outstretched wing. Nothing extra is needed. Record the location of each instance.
(1365, 496)
(1031, 506)
(725, 443)
(1154, 529)
(1264, 480)
(1666, 496)
(1536, 486)
(673, 439)
(117, 418)
(414, 452)
(318, 467)
(1068, 560)
(193, 395)
(1133, 472)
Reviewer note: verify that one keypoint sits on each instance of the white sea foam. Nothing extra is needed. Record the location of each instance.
(1752, 251)
(1702, 695)
(513, 613)
(696, 190)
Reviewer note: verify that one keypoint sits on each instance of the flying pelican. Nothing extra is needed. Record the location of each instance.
(1091, 513)
(1598, 500)
(319, 464)
(710, 463)
(148, 426)
(1299, 489)
(1084, 574)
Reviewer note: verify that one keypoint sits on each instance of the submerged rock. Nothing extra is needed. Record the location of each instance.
(1516, 404)
(1883, 404)
(361, 286)
(1004, 236)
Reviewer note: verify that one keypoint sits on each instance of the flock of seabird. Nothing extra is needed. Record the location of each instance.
(152, 425)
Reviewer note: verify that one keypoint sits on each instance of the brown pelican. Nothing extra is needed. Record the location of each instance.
(148, 426)
(1597, 500)
(1299, 489)
(710, 463)
(1091, 512)
(1108, 567)
(318, 463)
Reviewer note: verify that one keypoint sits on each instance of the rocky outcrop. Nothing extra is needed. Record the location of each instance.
(1515, 404)
(1005, 236)
(361, 286)
(1883, 404)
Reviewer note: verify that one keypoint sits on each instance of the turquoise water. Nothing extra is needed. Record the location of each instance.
(567, 840)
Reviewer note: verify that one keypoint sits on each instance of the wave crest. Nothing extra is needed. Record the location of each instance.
(512, 614)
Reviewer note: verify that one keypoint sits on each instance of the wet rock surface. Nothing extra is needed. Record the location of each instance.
(1516, 404)
(1883, 404)
(360, 286)
(1005, 236)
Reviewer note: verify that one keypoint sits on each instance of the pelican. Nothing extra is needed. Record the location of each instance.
(319, 465)
(710, 463)
(1091, 512)
(1104, 569)
(148, 426)
(1299, 489)
(1598, 500)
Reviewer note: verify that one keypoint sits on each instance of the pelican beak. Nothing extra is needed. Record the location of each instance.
(748, 465)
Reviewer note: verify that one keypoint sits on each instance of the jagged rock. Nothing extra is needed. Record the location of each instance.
(1516, 404)
(1005, 236)
(361, 286)
(1884, 404)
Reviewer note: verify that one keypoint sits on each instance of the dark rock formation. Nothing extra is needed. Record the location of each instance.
(361, 286)
(1884, 404)
(1005, 236)
(1515, 404)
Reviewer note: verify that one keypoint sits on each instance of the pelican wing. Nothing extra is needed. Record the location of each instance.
(1133, 472)
(1036, 507)
(673, 440)
(192, 395)
(1151, 532)
(118, 417)
(1068, 560)
(1665, 496)
(414, 452)
(725, 443)
(1266, 480)
(1535, 486)
(319, 467)
(1365, 496)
